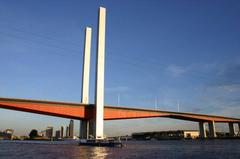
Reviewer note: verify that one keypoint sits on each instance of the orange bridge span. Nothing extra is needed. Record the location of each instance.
(86, 112)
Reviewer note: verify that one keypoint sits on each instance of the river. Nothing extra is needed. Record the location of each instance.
(177, 149)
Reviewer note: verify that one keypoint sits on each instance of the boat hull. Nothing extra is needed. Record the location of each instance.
(101, 143)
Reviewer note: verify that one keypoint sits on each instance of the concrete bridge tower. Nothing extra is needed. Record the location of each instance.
(94, 127)
(99, 96)
(84, 126)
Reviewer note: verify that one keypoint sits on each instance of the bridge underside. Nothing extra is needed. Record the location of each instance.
(86, 111)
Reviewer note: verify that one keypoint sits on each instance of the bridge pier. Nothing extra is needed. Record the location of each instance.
(202, 130)
(238, 128)
(84, 129)
(87, 129)
(212, 130)
(231, 129)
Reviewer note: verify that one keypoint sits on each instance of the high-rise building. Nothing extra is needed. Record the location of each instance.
(57, 134)
(71, 129)
(61, 133)
(49, 132)
(67, 132)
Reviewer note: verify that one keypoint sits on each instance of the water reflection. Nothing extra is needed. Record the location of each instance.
(220, 149)
(88, 152)
(98, 152)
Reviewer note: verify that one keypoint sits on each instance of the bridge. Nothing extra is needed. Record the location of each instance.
(92, 115)
(86, 112)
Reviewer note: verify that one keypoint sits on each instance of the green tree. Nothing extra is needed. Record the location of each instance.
(33, 134)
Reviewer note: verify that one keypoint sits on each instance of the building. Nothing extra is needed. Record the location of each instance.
(9, 131)
(165, 135)
(6, 135)
(191, 134)
(49, 132)
(58, 134)
(42, 133)
(67, 132)
(61, 134)
(71, 129)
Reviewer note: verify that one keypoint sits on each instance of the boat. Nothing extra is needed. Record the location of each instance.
(100, 143)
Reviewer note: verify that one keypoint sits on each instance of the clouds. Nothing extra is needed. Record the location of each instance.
(222, 99)
(175, 70)
(221, 95)
(227, 88)
(193, 70)
(227, 79)
(209, 87)
(229, 111)
(230, 74)
(117, 89)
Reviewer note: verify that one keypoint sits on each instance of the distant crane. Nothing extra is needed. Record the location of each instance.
(178, 106)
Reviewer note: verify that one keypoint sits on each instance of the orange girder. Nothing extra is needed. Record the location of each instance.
(60, 109)
(83, 111)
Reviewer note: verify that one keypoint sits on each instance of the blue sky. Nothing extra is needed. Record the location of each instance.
(164, 51)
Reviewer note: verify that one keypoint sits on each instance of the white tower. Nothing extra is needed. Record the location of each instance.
(86, 66)
(84, 126)
(99, 96)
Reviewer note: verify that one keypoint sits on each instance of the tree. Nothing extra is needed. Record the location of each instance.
(33, 134)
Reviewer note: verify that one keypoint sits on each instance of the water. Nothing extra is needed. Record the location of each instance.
(181, 149)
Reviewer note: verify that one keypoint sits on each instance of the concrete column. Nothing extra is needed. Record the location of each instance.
(212, 130)
(92, 126)
(239, 128)
(84, 129)
(87, 129)
(202, 130)
(84, 124)
(86, 66)
(231, 129)
(99, 94)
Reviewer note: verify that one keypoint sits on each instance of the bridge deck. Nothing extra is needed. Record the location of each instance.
(83, 111)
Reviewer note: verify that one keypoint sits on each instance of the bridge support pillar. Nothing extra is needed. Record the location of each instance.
(202, 130)
(231, 129)
(84, 129)
(212, 130)
(238, 128)
(100, 68)
(87, 129)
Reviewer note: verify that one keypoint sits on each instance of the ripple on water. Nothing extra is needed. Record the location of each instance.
(133, 149)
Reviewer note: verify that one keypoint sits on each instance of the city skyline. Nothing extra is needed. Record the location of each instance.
(50, 131)
(182, 58)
